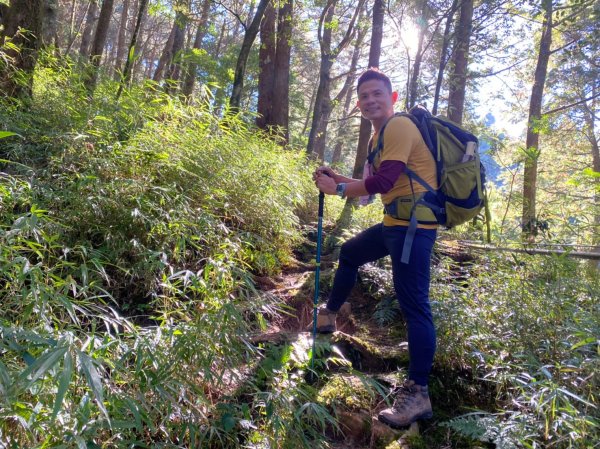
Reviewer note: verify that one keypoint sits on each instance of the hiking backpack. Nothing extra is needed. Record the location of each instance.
(460, 195)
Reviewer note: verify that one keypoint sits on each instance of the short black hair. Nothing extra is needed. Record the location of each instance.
(373, 73)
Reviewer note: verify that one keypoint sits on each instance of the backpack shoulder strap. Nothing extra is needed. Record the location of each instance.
(374, 152)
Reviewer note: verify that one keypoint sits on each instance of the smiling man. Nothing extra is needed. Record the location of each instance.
(402, 147)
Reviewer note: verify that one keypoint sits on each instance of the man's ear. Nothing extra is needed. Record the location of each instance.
(394, 97)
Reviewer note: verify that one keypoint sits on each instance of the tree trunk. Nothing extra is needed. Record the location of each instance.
(165, 57)
(414, 81)
(240, 66)
(443, 57)
(50, 26)
(174, 65)
(122, 44)
(266, 76)
(322, 109)
(457, 82)
(323, 105)
(190, 75)
(129, 62)
(528, 219)
(90, 22)
(23, 23)
(347, 93)
(280, 113)
(98, 44)
(374, 55)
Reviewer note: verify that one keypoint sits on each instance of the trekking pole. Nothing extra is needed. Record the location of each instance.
(317, 273)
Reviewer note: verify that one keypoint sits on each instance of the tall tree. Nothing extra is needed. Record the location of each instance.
(443, 58)
(122, 38)
(266, 62)
(174, 67)
(414, 79)
(274, 62)
(132, 47)
(166, 55)
(374, 56)
(280, 112)
(323, 106)
(528, 218)
(240, 66)
(457, 81)
(347, 92)
(192, 67)
(88, 29)
(23, 24)
(98, 44)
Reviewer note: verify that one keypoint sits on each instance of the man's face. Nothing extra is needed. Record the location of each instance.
(375, 101)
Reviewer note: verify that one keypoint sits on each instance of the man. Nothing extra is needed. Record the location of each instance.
(403, 147)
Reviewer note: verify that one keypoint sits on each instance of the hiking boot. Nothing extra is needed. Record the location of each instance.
(326, 321)
(411, 403)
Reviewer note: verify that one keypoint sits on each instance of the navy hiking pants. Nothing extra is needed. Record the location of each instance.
(411, 283)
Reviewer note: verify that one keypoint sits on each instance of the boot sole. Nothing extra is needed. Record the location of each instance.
(394, 425)
(326, 330)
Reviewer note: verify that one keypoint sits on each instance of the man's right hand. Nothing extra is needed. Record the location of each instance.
(324, 170)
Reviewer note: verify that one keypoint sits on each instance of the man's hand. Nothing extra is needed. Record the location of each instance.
(324, 170)
(326, 184)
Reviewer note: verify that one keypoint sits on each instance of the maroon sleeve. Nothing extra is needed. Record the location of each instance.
(385, 178)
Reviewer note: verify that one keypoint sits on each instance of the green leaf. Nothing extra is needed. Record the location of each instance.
(4, 134)
(584, 342)
(228, 422)
(42, 365)
(63, 384)
(4, 380)
(574, 396)
(93, 379)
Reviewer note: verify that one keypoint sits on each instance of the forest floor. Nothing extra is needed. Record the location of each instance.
(375, 352)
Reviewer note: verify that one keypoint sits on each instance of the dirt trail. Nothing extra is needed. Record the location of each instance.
(376, 351)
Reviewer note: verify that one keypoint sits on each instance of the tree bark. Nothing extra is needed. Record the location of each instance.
(280, 113)
(122, 44)
(88, 29)
(98, 44)
(23, 24)
(174, 65)
(240, 66)
(347, 93)
(190, 75)
(323, 106)
(414, 80)
(165, 57)
(50, 23)
(457, 82)
(266, 76)
(374, 55)
(528, 219)
(129, 62)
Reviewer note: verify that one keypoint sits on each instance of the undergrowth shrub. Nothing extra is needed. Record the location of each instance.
(129, 234)
(528, 325)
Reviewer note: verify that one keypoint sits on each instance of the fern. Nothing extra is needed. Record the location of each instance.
(387, 311)
(487, 428)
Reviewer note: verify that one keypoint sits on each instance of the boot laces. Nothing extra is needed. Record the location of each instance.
(406, 394)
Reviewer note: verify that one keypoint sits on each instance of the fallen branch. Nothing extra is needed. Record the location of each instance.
(531, 251)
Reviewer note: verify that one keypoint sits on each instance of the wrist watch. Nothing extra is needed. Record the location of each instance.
(341, 189)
